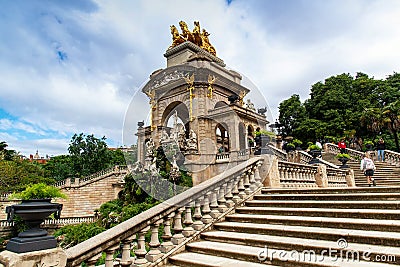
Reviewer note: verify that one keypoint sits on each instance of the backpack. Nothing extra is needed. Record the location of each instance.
(368, 164)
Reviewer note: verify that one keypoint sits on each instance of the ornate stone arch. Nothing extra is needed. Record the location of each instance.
(222, 137)
(220, 104)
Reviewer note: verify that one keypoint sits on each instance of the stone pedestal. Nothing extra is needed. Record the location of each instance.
(55, 257)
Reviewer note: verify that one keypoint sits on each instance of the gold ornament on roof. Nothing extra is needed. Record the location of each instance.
(197, 36)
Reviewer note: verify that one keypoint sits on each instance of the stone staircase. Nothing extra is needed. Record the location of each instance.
(304, 227)
(385, 175)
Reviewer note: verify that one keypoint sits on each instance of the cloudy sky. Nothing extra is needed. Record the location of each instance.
(74, 66)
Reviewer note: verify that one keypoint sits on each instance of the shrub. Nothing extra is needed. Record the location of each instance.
(343, 155)
(39, 191)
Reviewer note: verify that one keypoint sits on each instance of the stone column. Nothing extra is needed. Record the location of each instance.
(271, 173)
(350, 178)
(321, 177)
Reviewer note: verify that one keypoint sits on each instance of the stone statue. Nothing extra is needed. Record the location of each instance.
(250, 105)
(153, 168)
(150, 148)
(182, 139)
(164, 136)
(192, 141)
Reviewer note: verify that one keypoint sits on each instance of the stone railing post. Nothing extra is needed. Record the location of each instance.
(235, 191)
(350, 178)
(110, 256)
(206, 219)
(178, 237)
(321, 176)
(228, 196)
(273, 175)
(126, 260)
(221, 199)
(214, 204)
(188, 222)
(154, 253)
(141, 252)
(167, 245)
(197, 224)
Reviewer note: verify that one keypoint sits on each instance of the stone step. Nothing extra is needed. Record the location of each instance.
(331, 190)
(338, 196)
(337, 204)
(319, 212)
(327, 222)
(268, 256)
(320, 233)
(191, 259)
(304, 244)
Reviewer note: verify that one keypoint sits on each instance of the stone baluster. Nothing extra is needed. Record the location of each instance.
(167, 245)
(110, 256)
(214, 204)
(197, 224)
(178, 237)
(154, 253)
(241, 187)
(221, 199)
(246, 183)
(126, 260)
(141, 252)
(235, 191)
(188, 222)
(257, 176)
(93, 260)
(252, 178)
(228, 195)
(206, 209)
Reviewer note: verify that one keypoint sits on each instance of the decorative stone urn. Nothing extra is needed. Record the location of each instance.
(344, 161)
(33, 213)
(314, 153)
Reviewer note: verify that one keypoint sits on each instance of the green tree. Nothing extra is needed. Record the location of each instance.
(291, 114)
(88, 154)
(60, 167)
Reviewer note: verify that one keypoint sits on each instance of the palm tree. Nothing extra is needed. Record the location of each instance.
(391, 113)
(373, 119)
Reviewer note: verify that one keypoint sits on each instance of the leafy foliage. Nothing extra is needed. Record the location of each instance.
(39, 191)
(359, 107)
(343, 155)
(71, 235)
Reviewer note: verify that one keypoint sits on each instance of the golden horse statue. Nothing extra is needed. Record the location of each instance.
(177, 39)
(186, 33)
(198, 37)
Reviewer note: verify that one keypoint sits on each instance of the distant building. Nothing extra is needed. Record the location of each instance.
(38, 159)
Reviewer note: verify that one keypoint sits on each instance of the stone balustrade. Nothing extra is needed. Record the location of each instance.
(186, 214)
(334, 149)
(319, 175)
(392, 157)
(297, 174)
(337, 178)
(75, 182)
(280, 154)
(222, 157)
(61, 221)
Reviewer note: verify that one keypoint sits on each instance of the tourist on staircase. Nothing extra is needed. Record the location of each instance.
(368, 166)
(342, 146)
(381, 150)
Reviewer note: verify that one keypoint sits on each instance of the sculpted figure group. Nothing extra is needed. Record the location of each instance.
(197, 36)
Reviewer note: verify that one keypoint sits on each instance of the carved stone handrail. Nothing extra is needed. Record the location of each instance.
(61, 221)
(336, 177)
(222, 157)
(117, 169)
(281, 155)
(334, 149)
(297, 174)
(392, 157)
(209, 199)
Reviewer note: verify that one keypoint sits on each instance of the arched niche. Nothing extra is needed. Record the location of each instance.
(182, 112)
(222, 138)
